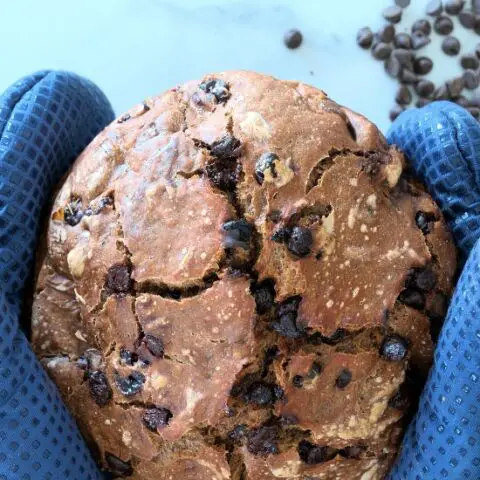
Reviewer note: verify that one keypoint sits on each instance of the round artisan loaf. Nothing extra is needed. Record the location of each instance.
(242, 281)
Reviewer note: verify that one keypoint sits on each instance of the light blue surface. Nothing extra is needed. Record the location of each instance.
(136, 48)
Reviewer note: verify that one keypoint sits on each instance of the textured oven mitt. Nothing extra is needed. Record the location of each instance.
(46, 119)
(442, 142)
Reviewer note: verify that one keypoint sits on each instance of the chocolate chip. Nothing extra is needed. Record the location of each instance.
(300, 241)
(425, 279)
(438, 307)
(425, 88)
(261, 394)
(154, 345)
(293, 38)
(73, 213)
(227, 147)
(131, 384)
(264, 164)
(156, 417)
(282, 235)
(422, 65)
(263, 440)
(118, 280)
(285, 322)
(402, 3)
(403, 96)
(127, 357)
(297, 381)
(424, 221)
(434, 8)
(467, 20)
(343, 379)
(422, 102)
(239, 233)
(224, 174)
(420, 41)
(471, 79)
(352, 452)
(124, 118)
(264, 294)
(443, 25)
(315, 370)
(451, 46)
(312, 454)
(454, 7)
(392, 14)
(365, 38)
(381, 51)
(218, 88)
(413, 298)
(99, 388)
(469, 62)
(441, 93)
(455, 86)
(394, 348)
(396, 111)
(422, 26)
(403, 40)
(238, 432)
(386, 33)
(393, 67)
(408, 77)
(118, 467)
(405, 57)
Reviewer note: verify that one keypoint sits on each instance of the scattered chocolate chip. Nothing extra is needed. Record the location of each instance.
(238, 432)
(282, 235)
(73, 213)
(285, 322)
(381, 51)
(420, 41)
(264, 164)
(392, 14)
(403, 40)
(343, 379)
(395, 112)
(312, 454)
(408, 77)
(315, 370)
(393, 67)
(471, 79)
(264, 294)
(425, 221)
(365, 38)
(154, 345)
(156, 417)
(261, 394)
(352, 452)
(441, 93)
(413, 298)
(224, 174)
(118, 467)
(422, 26)
(239, 233)
(263, 440)
(99, 388)
(386, 33)
(297, 381)
(443, 25)
(403, 96)
(425, 88)
(320, 253)
(98, 206)
(127, 357)
(118, 280)
(425, 279)
(438, 307)
(451, 46)
(300, 241)
(227, 147)
(218, 88)
(293, 38)
(405, 57)
(434, 8)
(372, 163)
(454, 7)
(469, 62)
(422, 102)
(131, 384)
(467, 20)
(402, 3)
(455, 86)
(394, 348)
(124, 118)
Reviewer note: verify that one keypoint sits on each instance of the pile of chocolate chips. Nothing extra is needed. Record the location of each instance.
(403, 61)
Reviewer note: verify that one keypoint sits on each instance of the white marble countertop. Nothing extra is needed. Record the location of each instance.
(137, 48)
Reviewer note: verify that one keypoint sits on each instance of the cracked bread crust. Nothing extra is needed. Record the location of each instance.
(242, 281)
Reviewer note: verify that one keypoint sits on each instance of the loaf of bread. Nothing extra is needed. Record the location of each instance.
(242, 280)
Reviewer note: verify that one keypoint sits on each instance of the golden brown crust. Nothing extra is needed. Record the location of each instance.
(233, 268)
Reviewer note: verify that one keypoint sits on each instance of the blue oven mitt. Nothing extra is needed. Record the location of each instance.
(442, 142)
(46, 119)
